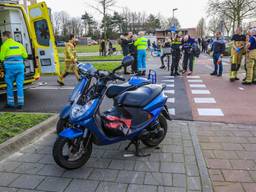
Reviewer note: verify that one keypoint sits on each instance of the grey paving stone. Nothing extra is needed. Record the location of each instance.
(192, 170)
(122, 164)
(161, 157)
(81, 173)
(9, 166)
(7, 178)
(30, 157)
(190, 159)
(82, 186)
(194, 183)
(172, 149)
(179, 180)
(170, 189)
(47, 159)
(178, 157)
(27, 181)
(29, 168)
(172, 167)
(104, 175)
(6, 189)
(54, 184)
(131, 177)
(51, 170)
(163, 179)
(98, 163)
(111, 187)
(26, 190)
(142, 188)
(189, 151)
(43, 149)
(97, 153)
(147, 166)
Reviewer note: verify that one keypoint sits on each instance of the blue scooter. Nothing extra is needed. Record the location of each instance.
(137, 115)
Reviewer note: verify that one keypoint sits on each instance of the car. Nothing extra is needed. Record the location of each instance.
(60, 44)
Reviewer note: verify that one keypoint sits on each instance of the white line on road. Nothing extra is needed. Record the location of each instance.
(197, 86)
(168, 77)
(204, 100)
(169, 91)
(170, 85)
(168, 81)
(200, 92)
(53, 88)
(193, 77)
(171, 111)
(171, 100)
(195, 81)
(210, 112)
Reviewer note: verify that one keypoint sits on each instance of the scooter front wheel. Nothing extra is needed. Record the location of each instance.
(152, 140)
(72, 154)
(61, 125)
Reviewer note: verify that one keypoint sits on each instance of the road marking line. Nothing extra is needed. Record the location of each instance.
(201, 92)
(204, 100)
(171, 100)
(193, 77)
(169, 91)
(195, 81)
(171, 77)
(197, 85)
(53, 88)
(170, 85)
(171, 111)
(210, 112)
(168, 81)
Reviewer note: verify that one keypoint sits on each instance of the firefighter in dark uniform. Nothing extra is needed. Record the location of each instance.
(237, 52)
(176, 55)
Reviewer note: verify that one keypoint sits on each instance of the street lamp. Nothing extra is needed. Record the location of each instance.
(173, 10)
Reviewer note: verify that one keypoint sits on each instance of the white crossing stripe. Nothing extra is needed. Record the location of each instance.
(171, 100)
(204, 100)
(170, 85)
(169, 92)
(53, 88)
(171, 111)
(200, 92)
(168, 77)
(197, 85)
(195, 81)
(193, 77)
(210, 112)
(168, 81)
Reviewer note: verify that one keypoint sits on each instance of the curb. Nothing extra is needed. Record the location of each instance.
(204, 175)
(16, 143)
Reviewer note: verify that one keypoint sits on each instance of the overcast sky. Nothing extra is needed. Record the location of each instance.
(189, 11)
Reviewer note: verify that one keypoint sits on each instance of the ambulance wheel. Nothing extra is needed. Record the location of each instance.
(156, 138)
(61, 125)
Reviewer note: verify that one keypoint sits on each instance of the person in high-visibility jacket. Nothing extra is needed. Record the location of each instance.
(70, 60)
(237, 52)
(251, 62)
(141, 44)
(12, 55)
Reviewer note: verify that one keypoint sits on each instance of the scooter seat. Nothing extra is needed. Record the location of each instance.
(140, 97)
(115, 90)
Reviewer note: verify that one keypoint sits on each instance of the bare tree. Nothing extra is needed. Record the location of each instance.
(103, 6)
(201, 28)
(235, 10)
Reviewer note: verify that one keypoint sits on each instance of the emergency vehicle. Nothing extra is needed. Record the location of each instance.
(34, 30)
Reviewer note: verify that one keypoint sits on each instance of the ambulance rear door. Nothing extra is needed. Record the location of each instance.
(43, 38)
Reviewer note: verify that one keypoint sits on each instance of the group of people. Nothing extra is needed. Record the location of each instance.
(135, 46)
(106, 47)
(176, 46)
(242, 45)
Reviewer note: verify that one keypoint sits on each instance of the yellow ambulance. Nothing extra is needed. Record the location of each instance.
(33, 28)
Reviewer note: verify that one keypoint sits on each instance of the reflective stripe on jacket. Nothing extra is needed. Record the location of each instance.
(141, 43)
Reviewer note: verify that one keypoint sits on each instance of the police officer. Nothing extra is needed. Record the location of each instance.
(188, 60)
(237, 53)
(133, 52)
(176, 55)
(13, 54)
(251, 62)
(141, 44)
(70, 60)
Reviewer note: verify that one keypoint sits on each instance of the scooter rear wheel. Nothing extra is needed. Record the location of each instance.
(153, 142)
(79, 152)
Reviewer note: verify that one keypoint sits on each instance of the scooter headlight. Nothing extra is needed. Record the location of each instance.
(79, 110)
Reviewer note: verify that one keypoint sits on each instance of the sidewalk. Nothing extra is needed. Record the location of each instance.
(173, 167)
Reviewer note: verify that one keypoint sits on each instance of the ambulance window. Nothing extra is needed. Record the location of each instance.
(42, 32)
